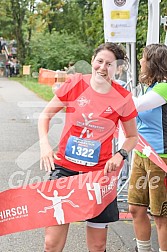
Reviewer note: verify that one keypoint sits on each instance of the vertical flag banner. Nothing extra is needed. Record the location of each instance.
(120, 18)
(153, 21)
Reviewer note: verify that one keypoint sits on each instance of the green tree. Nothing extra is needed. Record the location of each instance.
(18, 11)
(54, 51)
(81, 19)
(94, 23)
(142, 23)
(13, 20)
(49, 12)
(6, 23)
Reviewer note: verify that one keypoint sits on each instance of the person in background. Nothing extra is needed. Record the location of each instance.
(0, 46)
(99, 104)
(2, 67)
(152, 126)
(121, 74)
(71, 68)
(7, 68)
(17, 68)
(11, 68)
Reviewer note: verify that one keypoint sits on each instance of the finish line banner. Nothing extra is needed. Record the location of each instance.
(120, 18)
(56, 202)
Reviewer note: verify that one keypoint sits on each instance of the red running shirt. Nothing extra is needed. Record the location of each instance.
(91, 116)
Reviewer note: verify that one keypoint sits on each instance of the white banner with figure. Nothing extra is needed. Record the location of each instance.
(120, 18)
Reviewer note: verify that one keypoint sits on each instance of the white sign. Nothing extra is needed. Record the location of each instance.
(153, 21)
(120, 18)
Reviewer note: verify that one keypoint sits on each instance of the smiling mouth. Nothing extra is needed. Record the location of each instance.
(101, 74)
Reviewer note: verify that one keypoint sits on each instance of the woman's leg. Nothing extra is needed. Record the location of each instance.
(141, 222)
(55, 238)
(161, 224)
(96, 237)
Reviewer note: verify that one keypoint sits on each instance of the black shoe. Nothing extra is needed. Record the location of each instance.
(136, 249)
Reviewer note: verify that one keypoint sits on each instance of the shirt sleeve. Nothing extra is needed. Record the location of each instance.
(129, 110)
(161, 89)
(148, 101)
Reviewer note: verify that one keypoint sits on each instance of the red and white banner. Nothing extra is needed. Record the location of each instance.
(143, 146)
(147, 150)
(60, 201)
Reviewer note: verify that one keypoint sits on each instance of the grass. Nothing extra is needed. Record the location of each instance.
(43, 91)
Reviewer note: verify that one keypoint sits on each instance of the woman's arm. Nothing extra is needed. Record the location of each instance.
(47, 155)
(131, 138)
(148, 101)
(131, 134)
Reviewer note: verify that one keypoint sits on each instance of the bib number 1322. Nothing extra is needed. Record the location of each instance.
(82, 151)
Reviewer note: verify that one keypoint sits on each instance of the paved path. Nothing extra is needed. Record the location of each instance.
(19, 164)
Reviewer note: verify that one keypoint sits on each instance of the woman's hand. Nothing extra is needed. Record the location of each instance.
(113, 163)
(47, 158)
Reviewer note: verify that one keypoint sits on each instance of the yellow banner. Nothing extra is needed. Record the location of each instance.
(26, 70)
(120, 14)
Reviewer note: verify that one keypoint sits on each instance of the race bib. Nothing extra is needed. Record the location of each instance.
(82, 151)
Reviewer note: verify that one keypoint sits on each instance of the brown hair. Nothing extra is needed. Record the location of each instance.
(155, 56)
(117, 50)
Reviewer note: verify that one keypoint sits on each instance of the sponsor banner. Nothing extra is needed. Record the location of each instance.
(55, 202)
(26, 70)
(120, 18)
(147, 150)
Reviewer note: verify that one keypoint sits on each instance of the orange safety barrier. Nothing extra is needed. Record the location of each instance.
(46, 77)
(61, 76)
(50, 77)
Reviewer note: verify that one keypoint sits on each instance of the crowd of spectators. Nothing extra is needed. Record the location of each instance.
(10, 67)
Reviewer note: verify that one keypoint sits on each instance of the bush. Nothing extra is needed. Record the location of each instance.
(54, 51)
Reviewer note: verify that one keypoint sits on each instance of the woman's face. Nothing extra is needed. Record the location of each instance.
(104, 66)
(143, 64)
